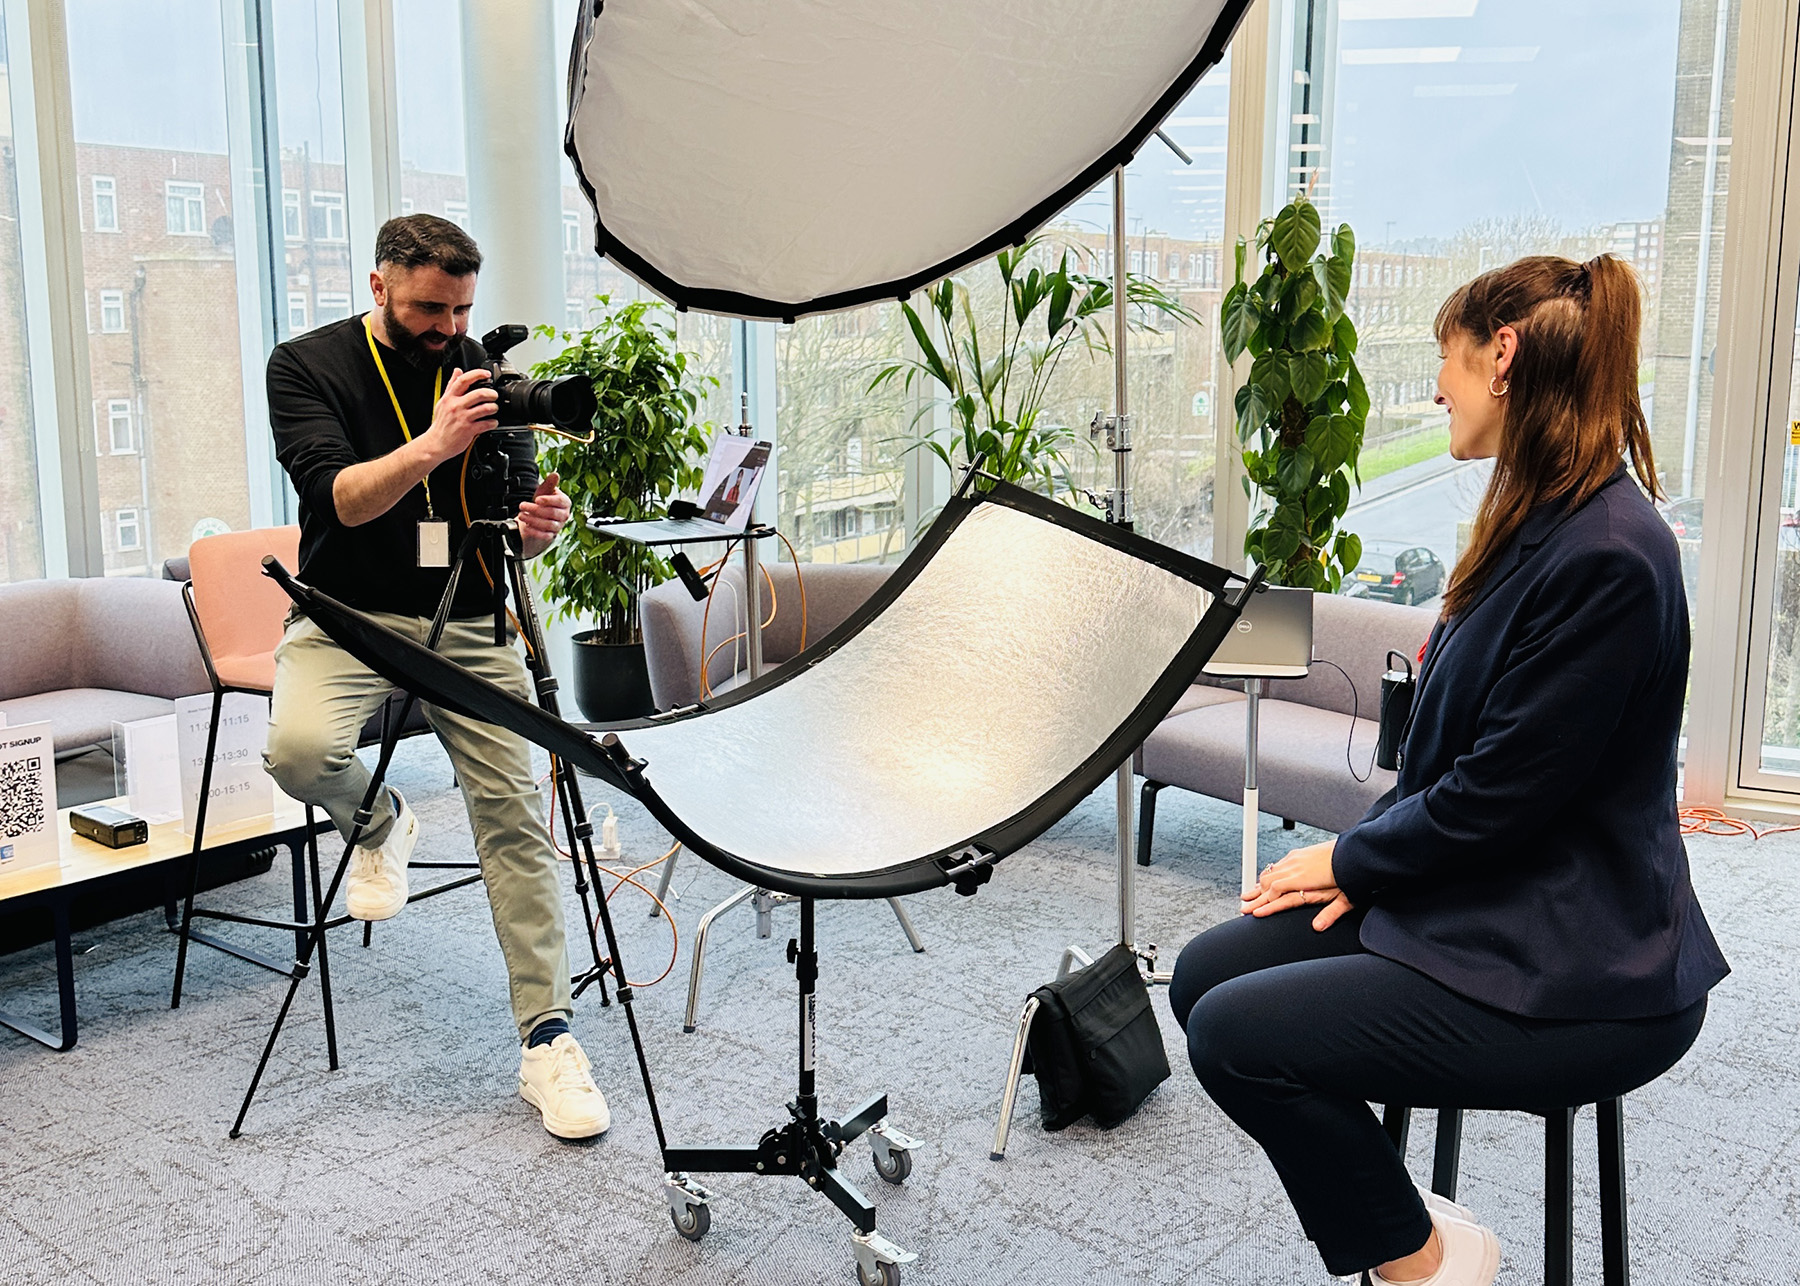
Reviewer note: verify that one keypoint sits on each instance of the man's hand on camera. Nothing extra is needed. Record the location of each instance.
(543, 516)
(465, 411)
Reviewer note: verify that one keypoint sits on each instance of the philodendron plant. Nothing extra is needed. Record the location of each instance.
(1301, 413)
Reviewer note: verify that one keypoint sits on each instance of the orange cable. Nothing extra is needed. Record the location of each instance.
(1711, 821)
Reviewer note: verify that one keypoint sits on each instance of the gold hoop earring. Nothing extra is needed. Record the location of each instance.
(1504, 386)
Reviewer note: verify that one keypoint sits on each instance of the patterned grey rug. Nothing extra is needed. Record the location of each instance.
(417, 1161)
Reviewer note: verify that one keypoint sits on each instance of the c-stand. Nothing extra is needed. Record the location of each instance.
(503, 539)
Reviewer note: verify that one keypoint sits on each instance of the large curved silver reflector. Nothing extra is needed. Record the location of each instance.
(789, 157)
(1012, 662)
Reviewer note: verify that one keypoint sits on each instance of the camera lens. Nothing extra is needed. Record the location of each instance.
(566, 401)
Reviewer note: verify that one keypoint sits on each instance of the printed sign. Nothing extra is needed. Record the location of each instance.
(241, 790)
(27, 797)
(147, 767)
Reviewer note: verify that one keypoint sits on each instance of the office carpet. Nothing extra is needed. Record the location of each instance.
(417, 1162)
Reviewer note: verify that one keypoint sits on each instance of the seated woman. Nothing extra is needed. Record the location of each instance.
(1513, 924)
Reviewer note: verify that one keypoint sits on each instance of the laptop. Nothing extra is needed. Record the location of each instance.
(1271, 638)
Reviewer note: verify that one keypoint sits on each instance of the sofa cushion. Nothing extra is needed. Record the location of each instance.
(40, 621)
(1301, 768)
(1355, 633)
(81, 717)
(136, 637)
(1205, 694)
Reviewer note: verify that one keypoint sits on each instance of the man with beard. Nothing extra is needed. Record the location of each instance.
(373, 419)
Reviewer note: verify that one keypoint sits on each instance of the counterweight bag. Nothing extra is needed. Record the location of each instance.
(1095, 1046)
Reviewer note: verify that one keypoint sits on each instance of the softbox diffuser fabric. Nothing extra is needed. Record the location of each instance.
(787, 157)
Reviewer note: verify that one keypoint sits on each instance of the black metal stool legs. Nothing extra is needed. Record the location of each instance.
(1559, 1197)
(1615, 1254)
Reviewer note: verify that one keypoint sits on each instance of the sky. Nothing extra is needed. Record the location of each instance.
(1445, 110)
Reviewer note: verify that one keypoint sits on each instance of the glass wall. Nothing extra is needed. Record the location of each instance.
(21, 528)
(1457, 137)
(321, 263)
(1780, 742)
(158, 248)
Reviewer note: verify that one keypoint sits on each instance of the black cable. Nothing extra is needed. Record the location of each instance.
(1355, 709)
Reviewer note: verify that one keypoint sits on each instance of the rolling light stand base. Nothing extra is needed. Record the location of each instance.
(807, 1147)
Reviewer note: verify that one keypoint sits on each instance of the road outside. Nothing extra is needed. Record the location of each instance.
(1420, 505)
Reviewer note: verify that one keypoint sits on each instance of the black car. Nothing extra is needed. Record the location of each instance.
(1399, 573)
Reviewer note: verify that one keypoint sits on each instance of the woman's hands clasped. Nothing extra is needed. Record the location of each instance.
(1302, 878)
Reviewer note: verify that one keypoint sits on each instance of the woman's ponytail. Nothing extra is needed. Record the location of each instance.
(1608, 366)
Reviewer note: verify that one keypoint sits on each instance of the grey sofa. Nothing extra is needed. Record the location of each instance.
(89, 652)
(671, 622)
(1302, 772)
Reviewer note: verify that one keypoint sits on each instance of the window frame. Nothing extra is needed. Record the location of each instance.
(329, 217)
(110, 195)
(121, 517)
(191, 194)
(120, 411)
(115, 299)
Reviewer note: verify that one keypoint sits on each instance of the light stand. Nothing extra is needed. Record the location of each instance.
(1117, 506)
(502, 538)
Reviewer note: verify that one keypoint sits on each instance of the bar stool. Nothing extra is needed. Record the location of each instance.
(1559, 1182)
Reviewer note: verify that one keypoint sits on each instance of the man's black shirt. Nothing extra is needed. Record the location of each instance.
(329, 410)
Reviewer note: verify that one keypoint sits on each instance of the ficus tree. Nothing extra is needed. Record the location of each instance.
(1301, 412)
(647, 444)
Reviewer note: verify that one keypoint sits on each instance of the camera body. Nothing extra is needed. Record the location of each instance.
(565, 402)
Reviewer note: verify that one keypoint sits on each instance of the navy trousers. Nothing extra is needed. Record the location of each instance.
(1294, 1033)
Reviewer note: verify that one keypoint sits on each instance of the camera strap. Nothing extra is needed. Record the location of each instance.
(436, 394)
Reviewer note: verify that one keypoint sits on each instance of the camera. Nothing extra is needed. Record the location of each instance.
(566, 402)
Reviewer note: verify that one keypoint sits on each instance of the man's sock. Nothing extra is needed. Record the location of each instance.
(547, 1031)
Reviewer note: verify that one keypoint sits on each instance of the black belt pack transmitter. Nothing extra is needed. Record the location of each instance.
(1397, 690)
(112, 827)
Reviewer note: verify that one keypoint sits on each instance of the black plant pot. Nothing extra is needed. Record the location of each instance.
(612, 680)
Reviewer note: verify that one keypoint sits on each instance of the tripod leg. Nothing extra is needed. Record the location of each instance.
(312, 852)
(697, 970)
(906, 925)
(662, 885)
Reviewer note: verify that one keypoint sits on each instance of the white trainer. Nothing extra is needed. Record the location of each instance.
(376, 887)
(555, 1079)
(1444, 1206)
(1471, 1255)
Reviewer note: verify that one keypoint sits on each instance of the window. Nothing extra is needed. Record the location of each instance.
(112, 311)
(328, 216)
(574, 314)
(186, 204)
(290, 214)
(1367, 103)
(126, 535)
(118, 427)
(406, 205)
(571, 233)
(458, 213)
(331, 308)
(106, 204)
(296, 312)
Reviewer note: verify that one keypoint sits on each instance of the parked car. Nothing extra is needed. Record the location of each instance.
(1397, 572)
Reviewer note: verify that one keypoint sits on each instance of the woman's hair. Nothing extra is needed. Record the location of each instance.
(1572, 410)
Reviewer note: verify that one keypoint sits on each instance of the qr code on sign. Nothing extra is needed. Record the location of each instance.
(22, 798)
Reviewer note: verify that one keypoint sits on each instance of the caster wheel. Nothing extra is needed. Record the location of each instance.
(895, 1166)
(691, 1221)
(884, 1275)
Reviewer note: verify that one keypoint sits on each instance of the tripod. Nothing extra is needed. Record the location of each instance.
(501, 538)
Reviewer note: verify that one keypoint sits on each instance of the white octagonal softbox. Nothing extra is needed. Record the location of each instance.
(775, 158)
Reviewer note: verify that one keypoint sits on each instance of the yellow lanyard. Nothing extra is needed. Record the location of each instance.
(436, 393)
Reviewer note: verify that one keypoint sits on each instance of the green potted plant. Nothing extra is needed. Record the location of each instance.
(996, 378)
(646, 447)
(1301, 413)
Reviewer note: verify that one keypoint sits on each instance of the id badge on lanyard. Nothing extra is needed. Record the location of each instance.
(433, 548)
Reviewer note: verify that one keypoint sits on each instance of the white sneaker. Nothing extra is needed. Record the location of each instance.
(1444, 1206)
(376, 888)
(554, 1079)
(1471, 1255)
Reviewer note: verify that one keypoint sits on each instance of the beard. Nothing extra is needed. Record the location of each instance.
(412, 347)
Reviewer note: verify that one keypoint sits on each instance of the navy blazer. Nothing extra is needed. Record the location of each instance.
(1530, 856)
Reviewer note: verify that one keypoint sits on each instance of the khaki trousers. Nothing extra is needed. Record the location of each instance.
(323, 696)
